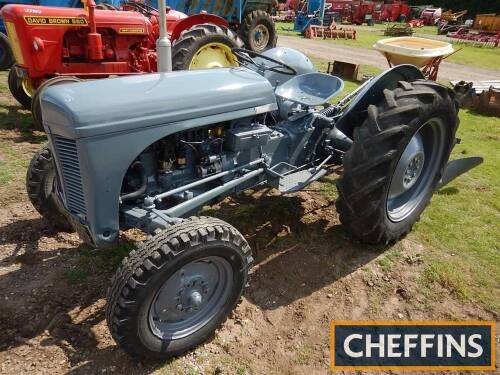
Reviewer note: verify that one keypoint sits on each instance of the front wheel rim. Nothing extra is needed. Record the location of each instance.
(416, 170)
(213, 55)
(191, 298)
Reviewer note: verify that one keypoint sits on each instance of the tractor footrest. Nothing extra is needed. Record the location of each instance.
(296, 181)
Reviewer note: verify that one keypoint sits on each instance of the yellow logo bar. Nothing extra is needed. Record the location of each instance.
(55, 21)
(131, 30)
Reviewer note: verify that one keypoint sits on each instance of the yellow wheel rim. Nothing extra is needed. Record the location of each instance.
(28, 87)
(213, 55)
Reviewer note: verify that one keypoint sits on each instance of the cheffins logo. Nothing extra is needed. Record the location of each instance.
(412, 345)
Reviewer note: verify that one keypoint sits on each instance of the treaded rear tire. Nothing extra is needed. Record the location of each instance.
(249, 23)
(7, 57)
(377, 147)
(191, 40)
(145, 270)
(39, 186)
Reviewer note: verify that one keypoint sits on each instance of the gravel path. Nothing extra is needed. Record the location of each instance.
(332, 51)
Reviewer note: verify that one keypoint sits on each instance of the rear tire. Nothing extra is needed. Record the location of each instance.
(40, 180)
(205, 46)
(18, 88)
(171, 293)
(6, 55)
(258, 31)
(370, 205)
(36, 108)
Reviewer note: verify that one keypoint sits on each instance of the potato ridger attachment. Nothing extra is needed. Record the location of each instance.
(149, 151)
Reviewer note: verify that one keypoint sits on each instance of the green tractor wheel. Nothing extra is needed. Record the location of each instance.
(205, 46)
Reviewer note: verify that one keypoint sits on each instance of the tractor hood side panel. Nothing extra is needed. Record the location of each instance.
(100, 127)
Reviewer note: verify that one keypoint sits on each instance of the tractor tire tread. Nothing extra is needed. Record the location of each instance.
(186, 46)
(378, 145)
(38, 169)
(152, 255)
(249, 23)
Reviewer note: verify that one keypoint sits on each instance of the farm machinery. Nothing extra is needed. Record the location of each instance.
(6, 54)
(251, 19)
(60, 45)
(148, 151)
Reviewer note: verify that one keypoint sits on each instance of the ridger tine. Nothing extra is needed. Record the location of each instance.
(182, 140)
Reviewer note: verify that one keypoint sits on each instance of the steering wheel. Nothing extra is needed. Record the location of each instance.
(247, 56)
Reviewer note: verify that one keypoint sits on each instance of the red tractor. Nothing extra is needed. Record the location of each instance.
(58, 45)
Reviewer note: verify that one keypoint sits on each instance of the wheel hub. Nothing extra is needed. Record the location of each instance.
(409, 167)
(213, 55)
(190, 297)
(416, 170)
(413, 170)
(260, 37)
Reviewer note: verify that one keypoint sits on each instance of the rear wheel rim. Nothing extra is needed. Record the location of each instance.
(213, 55)
(191, 298)
(260, 37)
(416, 170)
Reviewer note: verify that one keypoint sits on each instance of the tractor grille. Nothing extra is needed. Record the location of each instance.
(70, 169)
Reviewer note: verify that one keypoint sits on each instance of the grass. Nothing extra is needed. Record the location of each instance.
(366, 37)
(461, 225)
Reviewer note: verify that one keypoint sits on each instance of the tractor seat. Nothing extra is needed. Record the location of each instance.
(310, 89)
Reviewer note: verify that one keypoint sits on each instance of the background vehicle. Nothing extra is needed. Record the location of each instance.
(6, 55)
(183, 140)
(250, 18)
(75, 44)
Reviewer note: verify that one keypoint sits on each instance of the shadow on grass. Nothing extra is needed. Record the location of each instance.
(14, 117)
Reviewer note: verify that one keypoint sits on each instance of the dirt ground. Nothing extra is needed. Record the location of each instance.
(331, 51)
(307, 273)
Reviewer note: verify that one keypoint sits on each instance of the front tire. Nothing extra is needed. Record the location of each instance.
(40, 180)
(21, 88)
(205, 46)
(171, 293)
(396, 161)
(258, 31)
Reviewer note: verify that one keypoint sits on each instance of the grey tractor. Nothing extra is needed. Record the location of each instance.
(149, 151)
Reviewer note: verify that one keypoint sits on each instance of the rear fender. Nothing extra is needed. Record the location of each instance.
(355, 113)
(197, 19)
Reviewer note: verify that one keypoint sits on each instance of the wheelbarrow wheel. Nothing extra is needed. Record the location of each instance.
(36, 108)
(396, 161)
(258, 31)
(205, 46)
(21, 88)
(40, 186)
(171, 293)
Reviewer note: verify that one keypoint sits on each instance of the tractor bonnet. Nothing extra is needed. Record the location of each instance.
(126, 104)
